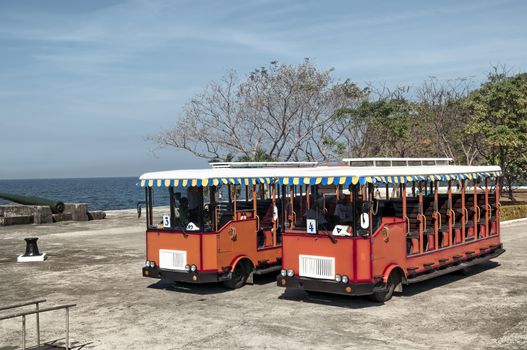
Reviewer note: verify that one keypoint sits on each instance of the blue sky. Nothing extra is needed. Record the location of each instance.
(82, 83)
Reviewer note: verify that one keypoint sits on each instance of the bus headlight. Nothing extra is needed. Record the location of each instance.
(290, 273)
(345, 279)
(152, 264)
(193, 268)
(283, 273)
(338, 278)
(147, 263)
(187, 267)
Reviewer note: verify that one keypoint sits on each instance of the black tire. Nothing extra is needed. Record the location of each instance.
(384, 296)
(239, 276)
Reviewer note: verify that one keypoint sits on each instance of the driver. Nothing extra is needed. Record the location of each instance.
(194, 202)
(177, 199)
(183, 211)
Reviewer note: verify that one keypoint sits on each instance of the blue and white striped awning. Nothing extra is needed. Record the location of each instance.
(205, 182)
(347, 180)
(313, 176)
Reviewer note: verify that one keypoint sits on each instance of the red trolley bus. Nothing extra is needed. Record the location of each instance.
(376, 224)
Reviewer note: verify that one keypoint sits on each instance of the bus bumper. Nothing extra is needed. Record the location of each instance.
(181, 276)
(326, 286)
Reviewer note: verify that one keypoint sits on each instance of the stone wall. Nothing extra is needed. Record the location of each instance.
(40, 214)
(34, 214)
(79, 211)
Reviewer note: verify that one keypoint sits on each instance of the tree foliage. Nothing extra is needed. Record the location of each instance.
(498, 119)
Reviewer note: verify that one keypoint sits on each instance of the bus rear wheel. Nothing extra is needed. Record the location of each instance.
(381, 297)
(239, 276)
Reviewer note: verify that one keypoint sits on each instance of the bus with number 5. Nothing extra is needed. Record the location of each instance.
(222, 224)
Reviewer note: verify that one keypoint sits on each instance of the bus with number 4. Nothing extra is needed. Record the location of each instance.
(375, 224)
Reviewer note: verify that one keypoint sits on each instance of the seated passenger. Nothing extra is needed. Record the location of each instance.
(344, 212)
(316, 214)
(267, 220)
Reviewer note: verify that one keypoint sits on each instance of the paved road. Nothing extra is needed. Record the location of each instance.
(97, 265)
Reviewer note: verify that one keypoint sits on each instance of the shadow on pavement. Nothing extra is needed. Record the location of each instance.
(56, 344)
(190, 288)
(440, 281)
(328, 299)
(265, 279)
(207, 288)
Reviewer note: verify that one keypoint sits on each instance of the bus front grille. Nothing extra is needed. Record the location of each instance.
(172, 259)
(317, 266)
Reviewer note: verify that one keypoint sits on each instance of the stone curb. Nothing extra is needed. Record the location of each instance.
(510, 222)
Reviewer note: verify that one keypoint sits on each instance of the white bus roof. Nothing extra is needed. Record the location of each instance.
(262, 164)
(325, 175)
(377, 161)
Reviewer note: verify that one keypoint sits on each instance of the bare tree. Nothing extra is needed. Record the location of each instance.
(440, 103)
(279, 112)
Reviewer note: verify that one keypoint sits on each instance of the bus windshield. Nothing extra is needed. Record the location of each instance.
(177, 209)
(207, 208)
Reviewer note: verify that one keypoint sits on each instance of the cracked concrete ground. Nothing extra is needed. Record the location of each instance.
(97, 265)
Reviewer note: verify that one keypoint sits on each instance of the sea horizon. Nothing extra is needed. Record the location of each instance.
(100, 193)
(73, 178)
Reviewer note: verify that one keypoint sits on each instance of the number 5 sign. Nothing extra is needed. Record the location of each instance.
(166, 220)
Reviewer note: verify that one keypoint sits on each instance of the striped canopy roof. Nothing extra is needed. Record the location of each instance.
(324, 175)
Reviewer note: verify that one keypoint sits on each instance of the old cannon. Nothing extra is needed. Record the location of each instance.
(57, 207)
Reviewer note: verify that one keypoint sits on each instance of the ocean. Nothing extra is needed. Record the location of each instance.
(100, 193)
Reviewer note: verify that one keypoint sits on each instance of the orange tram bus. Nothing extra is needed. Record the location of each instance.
(215, 225)
(377, 224)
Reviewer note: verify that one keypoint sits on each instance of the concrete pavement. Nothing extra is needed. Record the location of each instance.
(97, 265)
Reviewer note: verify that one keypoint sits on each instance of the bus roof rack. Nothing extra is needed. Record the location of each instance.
(389, 162)
(263, 164)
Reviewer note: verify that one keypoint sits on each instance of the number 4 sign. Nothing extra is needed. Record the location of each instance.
(311, 226)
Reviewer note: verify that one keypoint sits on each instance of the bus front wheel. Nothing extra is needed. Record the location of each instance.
(239, 276)
(387, 294)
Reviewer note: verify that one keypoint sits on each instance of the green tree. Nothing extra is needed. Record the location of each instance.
(394, 128)
(498, 118)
